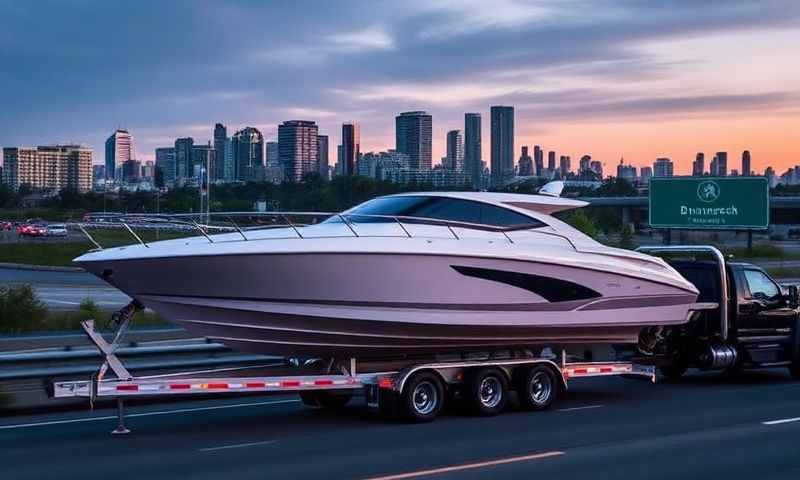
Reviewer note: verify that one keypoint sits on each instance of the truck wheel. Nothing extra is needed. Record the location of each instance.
(422, 397)
(794, 370)
(537, 389)
(488, 392)
(309, 398)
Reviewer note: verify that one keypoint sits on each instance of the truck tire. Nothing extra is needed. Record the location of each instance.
(422, 397)
(488, 392)
(537, 388)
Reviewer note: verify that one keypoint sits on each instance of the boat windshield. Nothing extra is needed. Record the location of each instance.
(439, 208)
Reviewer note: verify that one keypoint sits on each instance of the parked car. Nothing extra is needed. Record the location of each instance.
(56, 230)
(6, 226)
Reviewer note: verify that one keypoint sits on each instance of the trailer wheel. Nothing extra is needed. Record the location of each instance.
(488, 391)
(538, 388)
(422, 397)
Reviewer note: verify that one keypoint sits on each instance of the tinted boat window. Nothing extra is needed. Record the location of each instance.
(441, 208)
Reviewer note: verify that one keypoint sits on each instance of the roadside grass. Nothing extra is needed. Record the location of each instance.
(53, 252)
(22, 312)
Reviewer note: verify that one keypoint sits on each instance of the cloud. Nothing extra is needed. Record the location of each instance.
(372, 38)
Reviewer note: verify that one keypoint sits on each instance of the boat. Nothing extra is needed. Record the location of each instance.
(405, 274)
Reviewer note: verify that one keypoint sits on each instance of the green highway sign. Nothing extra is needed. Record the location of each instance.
(730, 203)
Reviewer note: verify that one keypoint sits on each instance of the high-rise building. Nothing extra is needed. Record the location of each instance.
(646, 174)
(626, 172)
(183, 159)
(339, 159)
(746, 170)
(220, 142)
(455, 151)
(230, 167)
(322, 155)
(663, 167)
(564, 165)
(52, 168)
(98, 174)
(203, 163)
(502, 158)
(119, 148)
(131, 171)
(538, 161)
(248, 154)
(584, 165)
(148, 171)
(273, 155)
(351, 147)
(551, 161)
(596, 167)
(722, 164)
(699, 165)
(166, 169)
(297, 148)
(414, 137)
(525, 163)
(473, 163)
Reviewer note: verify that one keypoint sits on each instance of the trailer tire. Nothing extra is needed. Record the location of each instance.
(422, 397)
(488, 392)
(537, 388)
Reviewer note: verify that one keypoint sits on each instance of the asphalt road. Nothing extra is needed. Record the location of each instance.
(707, 426)
(66, 290)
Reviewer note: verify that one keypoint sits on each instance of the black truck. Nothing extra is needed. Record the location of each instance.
(751, 320)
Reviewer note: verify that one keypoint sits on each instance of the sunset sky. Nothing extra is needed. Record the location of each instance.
(608, 78)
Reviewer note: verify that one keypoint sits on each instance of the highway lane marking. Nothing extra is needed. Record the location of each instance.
(469, 466)
(781, 421)
(572, 409)
(238, 445)
(146, 414)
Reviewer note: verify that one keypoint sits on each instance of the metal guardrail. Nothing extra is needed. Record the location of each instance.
(45, 373)
(91, 352)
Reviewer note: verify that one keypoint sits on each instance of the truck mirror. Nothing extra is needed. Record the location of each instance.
(794, 296)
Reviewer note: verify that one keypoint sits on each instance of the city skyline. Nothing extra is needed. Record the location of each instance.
(641, 82)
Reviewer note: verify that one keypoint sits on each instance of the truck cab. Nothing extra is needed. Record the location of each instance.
(752, 322)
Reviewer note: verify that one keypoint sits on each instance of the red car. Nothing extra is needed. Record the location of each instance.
(6, 226)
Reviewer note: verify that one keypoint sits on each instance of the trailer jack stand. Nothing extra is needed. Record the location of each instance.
(121, 428)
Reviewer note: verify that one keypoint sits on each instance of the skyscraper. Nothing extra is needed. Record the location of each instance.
(746, 170)
(166, 169)
(551, 161)
(322, 155)
(183, 158)
(564, 164)
(351, 147)
(699, 165)
(502, 158)
(525, 163)
(204, 163)
(119, 149)
(538, 160)
(248, 154)
(220, 140)
(414, 136)
(584, 165)
(473, 163)
(273, 157)
(297, 148)
(722, 164)
(663, 167)
(455, 151)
